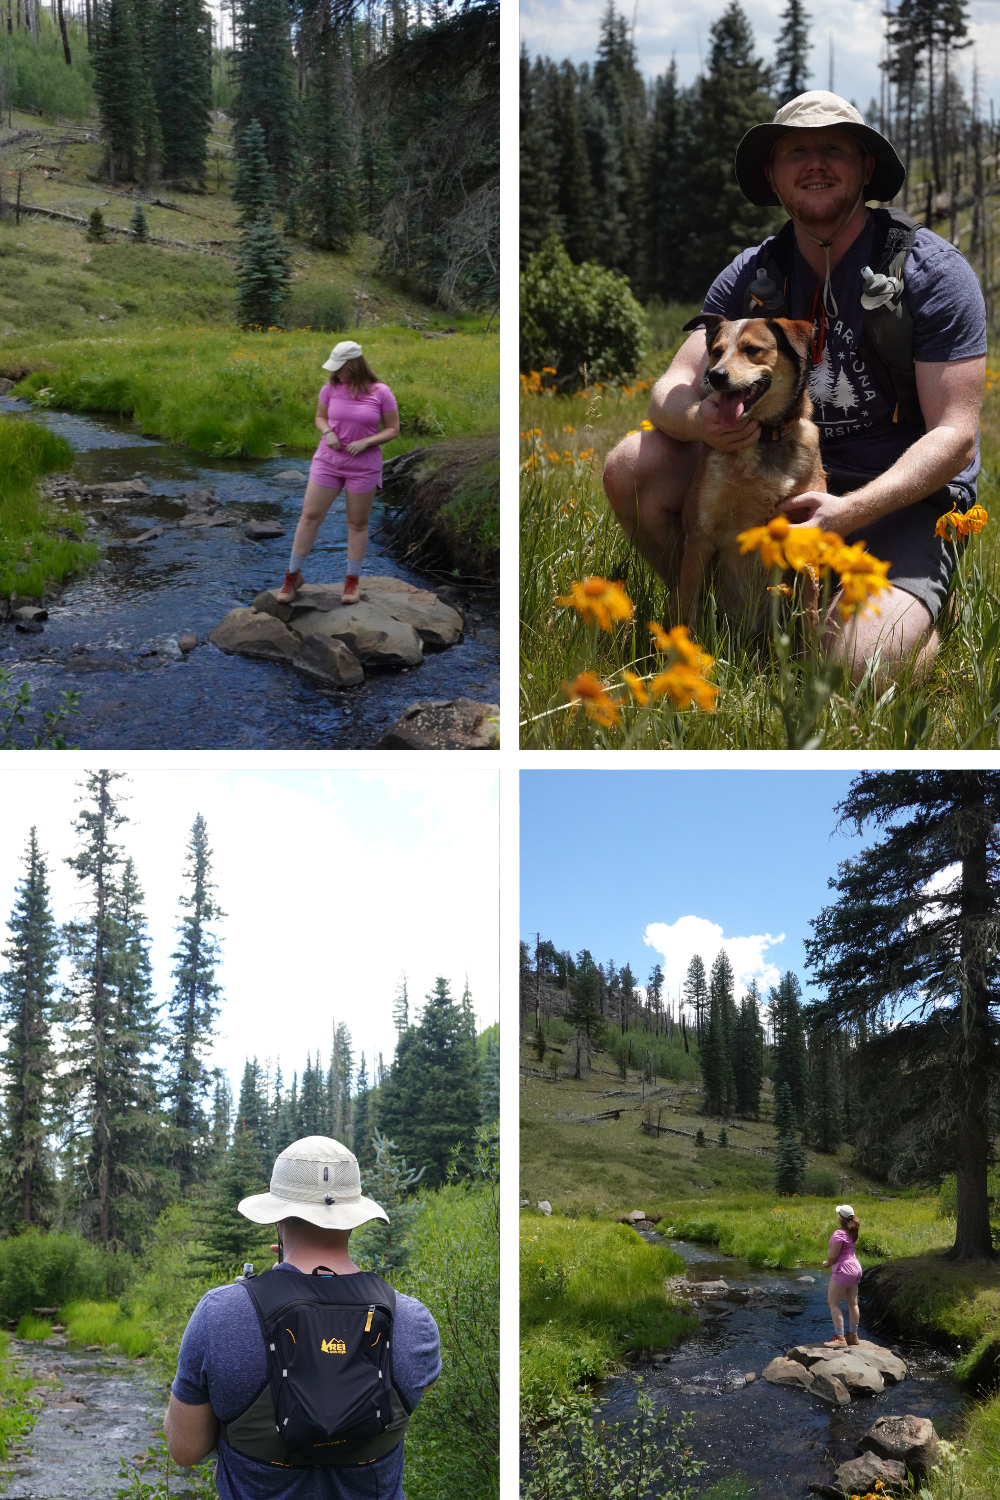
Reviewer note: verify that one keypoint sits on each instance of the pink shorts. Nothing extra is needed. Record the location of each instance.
(333, 475)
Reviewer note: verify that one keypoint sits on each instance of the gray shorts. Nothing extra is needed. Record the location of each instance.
(922, 563)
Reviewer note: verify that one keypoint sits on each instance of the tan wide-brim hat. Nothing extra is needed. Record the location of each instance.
(316, 1179)
(339, 355)
(817, 110)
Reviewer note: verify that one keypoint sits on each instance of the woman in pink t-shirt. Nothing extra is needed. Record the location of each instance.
(355, 414)
(845, 1273)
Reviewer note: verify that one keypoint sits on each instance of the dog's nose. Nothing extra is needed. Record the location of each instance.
(718, 379)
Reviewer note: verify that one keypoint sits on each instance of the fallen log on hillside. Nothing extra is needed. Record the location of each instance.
(8, 207)
(648, 1128)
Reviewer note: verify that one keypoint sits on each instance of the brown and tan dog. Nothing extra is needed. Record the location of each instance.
(759, 365)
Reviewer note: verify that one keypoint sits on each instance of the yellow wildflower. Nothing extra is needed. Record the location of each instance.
(679, 641)
(588, 690)
(685, 686)
(636, 687)
(974, 519)
(598, 601)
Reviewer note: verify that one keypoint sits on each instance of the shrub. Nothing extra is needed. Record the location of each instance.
(48, 1270)
(322, 307)
(33, 1329)
(820, 1184)
(581, 321)
(97, 231)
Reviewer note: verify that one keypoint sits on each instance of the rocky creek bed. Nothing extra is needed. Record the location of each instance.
(97, 1408)
(186, 540)
(780, 1439)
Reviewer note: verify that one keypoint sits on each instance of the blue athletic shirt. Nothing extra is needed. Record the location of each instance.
(857, 435)
(223, 1360)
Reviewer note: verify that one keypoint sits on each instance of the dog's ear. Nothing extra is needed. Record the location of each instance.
(709, 321)
(797, 332)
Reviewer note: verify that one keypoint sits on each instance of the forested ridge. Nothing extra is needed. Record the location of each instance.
(636, 173)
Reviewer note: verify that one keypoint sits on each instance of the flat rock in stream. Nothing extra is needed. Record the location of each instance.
(147, 536)
(244, 632)
(261, 531)
(437, 624)
(788, 1372)
(201, 518)
(444, 724)
(292, 476)
(888, 1365)
(116, 491)
(911, 1440)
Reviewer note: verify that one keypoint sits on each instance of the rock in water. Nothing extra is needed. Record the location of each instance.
(861, 1378)
(118, 489)
(788, 1372)
(243, 632)
(148, 536)
(829, 1388)
(260, 531)
(200, 518)
(292, 475)
(858, 1475)
(376, 639)
(31, 612)
(329, 662)
(437, 624)
(453, 724)
(187, 642)
(911, 1440)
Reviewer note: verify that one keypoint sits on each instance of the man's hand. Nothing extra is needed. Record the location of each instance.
(743, 434)
(332, 440)
(816, 508)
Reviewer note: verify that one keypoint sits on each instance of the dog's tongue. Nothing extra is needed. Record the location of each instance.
(730, 410)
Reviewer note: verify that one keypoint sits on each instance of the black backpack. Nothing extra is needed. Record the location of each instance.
(887, 340)
(329, 1397)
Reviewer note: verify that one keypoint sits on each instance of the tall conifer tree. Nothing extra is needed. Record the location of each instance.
(791, 1061)
(791, 66)
(253, 189)
(326, 193)
(27, 998)
(266, 85)
(183, 82)
(695, 992)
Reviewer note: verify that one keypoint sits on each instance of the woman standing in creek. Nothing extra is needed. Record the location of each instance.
(845, 1274)
(351, 407)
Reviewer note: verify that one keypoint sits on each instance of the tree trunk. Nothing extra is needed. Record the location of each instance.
(63, 33)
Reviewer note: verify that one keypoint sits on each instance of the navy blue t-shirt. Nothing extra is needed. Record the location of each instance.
(223, 1360)
(857, 436)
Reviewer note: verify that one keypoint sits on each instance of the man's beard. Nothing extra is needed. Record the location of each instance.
(835, 211)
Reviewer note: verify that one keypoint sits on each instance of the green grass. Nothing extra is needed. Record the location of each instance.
(568, 533)
(975, 1472)
(18, 1410)
(33, 1329)
(29, 554)
(589, 1292)
(104, 1323)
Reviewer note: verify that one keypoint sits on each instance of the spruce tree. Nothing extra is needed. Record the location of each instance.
(825, 1119)
(695, 992)
(262, 278)
(538, 174)
(585, 1012)
(489, 1106)
(228, 1237)
(139, 225)
(97, 231)
(401, 1006)
(791, 1061)
(748, 1059)
(312, 1099)
(193, 1007)
(339, 1084)
(252, 1111)
(27, 998)
(253, 189)
(266, 89)
(722, 983)
(325, 195)
(183, 84)
(620, 94)
(654, 996)
(222, 1113)
(791, 68)
(789, 1166)
(361, 1142)
(121, 47)
(659, 159)
(380, 1247)
(90, 1023)
(430, 1099)
(784, 1111)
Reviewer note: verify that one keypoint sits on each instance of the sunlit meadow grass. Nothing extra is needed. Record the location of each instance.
(18, 1410)
(34, 1329)
(568, 533)
(29, 553)
(103, 1323)
(235, 394)
(589, 1291)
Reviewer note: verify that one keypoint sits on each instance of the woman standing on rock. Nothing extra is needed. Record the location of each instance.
(845, 1274)
(351, 407)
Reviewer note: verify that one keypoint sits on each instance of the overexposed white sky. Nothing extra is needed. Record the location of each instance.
(334, 883)
(570, 28)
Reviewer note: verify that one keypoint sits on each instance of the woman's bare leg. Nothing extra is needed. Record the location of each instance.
(317, 501)
(834, 1294)
(359, 508)
(853, 1315)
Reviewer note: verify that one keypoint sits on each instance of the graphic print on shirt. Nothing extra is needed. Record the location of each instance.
(840, 385)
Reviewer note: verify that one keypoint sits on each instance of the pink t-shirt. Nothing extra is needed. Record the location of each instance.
(351, 417)
(846, 1268)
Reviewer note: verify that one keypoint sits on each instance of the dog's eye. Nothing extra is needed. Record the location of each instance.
(753, 349)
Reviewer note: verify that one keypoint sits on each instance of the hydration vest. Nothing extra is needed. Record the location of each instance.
(887, 337)
(329, 1397)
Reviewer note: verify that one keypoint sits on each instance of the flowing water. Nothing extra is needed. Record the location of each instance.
(112, 634)
(766, 1440)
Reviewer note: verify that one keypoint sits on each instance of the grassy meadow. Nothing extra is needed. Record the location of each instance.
(32, 551)
(764, 702)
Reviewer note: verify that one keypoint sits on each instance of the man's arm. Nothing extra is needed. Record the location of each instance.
(679, 406)
(192, 1431)
(950, 393)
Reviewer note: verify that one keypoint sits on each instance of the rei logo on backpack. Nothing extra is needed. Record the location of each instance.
(314, 1409)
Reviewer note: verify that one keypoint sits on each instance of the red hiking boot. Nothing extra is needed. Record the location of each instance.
(352, 589)
(289, 589)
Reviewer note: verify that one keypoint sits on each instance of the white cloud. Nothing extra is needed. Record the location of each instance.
(333, 882)
(679, 941)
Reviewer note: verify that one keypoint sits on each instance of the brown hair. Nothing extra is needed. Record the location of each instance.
(852, 1226)
(356, 373)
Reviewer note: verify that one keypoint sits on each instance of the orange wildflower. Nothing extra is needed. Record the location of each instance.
(685, 686)
(973, 520)
(636, 687)
(590, 691)
(597, 601)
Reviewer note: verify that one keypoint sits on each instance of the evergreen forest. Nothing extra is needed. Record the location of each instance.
(125, 1151)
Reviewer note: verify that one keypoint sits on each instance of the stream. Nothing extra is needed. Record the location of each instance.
(106, 1408)
(112, 634)
(776, 1441)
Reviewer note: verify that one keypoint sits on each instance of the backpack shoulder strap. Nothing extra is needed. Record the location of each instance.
(774, 261)
(887, 339)
(893, 240)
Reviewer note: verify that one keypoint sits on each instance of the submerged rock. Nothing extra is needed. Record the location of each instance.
(444, 724)
(116, 491)
(260, 531)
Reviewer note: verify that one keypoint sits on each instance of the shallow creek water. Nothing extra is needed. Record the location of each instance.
(778, 1441)
(112, 634)
(105, 1408)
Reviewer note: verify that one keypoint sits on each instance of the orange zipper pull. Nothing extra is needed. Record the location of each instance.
(371, 1314)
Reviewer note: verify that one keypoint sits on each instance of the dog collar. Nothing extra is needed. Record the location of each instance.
(770, 434)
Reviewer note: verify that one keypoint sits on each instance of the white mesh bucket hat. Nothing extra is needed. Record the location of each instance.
(316, 1179)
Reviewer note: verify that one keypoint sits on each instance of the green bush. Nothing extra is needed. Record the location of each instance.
(40, 77)
(322, 307)
(582, 321)
(820, 1184)
(48, 1270)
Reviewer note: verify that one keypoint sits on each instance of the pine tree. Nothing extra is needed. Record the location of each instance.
(340, 1108)
(536, 177)
(194, 1006)
(789, 1166)
(695, 992)
(121, 46)
(576, 199)
(262, 278)
(722, 982)
(619, 91)
(790, 59)
(784, 1111)
(139, 225)
(361, 1141)
(430, 1099)
(27, 997)
(661, 146)
(228, 1237)
(384, 1248)
(222, 1113)
(91, 943)
(827, 1095)
(183, 84)
(489, 1107)
(791, 1061)
(97, 230)
(654, 996)
(325, 196)
(252, 1113)
(266, 85)
(748, 1059)
(401, 1006)
(585, 1011)
(253, 189)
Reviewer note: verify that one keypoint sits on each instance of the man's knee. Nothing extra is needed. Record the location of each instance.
(902, 631)
(620, 477)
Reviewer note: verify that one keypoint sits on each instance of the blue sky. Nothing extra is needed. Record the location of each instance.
(696, 860)
(569, 28)
(334, 883)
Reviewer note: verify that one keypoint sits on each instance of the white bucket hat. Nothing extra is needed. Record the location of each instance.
(339, 355)
(316, 1179)
(816, 110)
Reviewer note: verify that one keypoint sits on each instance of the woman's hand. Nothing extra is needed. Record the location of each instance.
(358, 446)
(333, 441)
